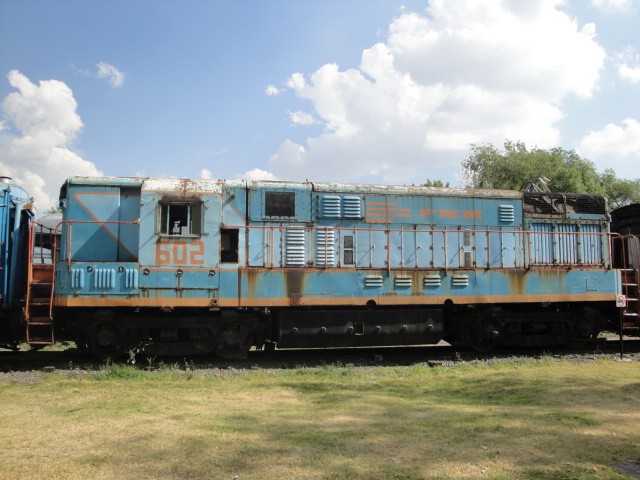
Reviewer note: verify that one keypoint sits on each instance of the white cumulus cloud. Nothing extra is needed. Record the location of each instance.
(613, 6)
(628, 73)
(617, 146)
(301, 118)
(628, 65)
(256, 174)
(41, 125)
(272, 90)
(465, 72)
(114, 76)
(206, 174)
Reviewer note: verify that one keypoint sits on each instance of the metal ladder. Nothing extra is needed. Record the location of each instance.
(37, 312)
(631, 314)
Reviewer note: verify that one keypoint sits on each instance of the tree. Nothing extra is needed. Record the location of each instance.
(435, 183)
(511, 168)
(620, 191)
(488, 167)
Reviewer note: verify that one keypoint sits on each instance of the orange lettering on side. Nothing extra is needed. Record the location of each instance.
(472, 214)
(196, 256)
(448, 213)
(180, 253)
(163, 254)
(426, 212)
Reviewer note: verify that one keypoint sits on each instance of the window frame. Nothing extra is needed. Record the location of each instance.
(232, 235)
(194, 218)
(292, 201)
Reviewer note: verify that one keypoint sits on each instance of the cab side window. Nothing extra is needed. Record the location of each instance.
(180, 218)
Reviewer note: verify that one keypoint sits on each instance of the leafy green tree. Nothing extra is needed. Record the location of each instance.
(515, 165)
(620, 191)
(435, 183)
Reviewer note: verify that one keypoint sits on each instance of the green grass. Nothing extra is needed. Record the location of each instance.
(532, 420)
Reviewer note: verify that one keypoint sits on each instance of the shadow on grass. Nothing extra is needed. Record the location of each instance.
(498, 426)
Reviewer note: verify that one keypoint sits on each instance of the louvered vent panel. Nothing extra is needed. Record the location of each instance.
(460, 280)
(567, 243)
(294, 248)
(402, 281)
(77, 278)
(373, 281)
(131, 278)
(591, 244)
(104, 278)
(506, 213)
(432, 281)
(541, 243)
(330, 206)
(325, 253)
(351, 207)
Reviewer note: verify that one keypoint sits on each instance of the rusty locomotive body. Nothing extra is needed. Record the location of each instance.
(176, 266)
(173, 266)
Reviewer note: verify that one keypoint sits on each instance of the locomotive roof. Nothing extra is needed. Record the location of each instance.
(215, 186)
(413, 190)
(18, 195)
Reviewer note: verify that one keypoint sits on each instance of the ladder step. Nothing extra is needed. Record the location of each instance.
(631, 314)
(40, 321)
(39, 302)
(629, 284)
(40, 341)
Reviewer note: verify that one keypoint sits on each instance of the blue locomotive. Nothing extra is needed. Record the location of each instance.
(178, 266)
(16, 216)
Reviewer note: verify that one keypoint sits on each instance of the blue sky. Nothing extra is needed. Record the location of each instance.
(358, 91)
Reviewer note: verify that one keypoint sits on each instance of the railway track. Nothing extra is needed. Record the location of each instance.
(444, 354)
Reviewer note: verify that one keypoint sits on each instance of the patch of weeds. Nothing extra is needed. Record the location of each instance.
(569, 471)
(137, 350)
(189, 368)
(118, 371)
(574, 418)
(150, 362)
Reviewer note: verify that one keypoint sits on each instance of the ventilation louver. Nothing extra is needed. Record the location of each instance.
(294, 247)
(506, 214)
(325, 254)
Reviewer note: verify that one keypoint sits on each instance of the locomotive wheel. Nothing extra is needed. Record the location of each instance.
(584, 332)
(482, 337)
(483, 345)
(103, 342)
(232, 341)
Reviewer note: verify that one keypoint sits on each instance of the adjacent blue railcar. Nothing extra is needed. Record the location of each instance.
(183, 266)
(16, 215)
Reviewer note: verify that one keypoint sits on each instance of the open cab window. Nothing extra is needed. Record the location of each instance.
(229, 239)
(181, 218)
